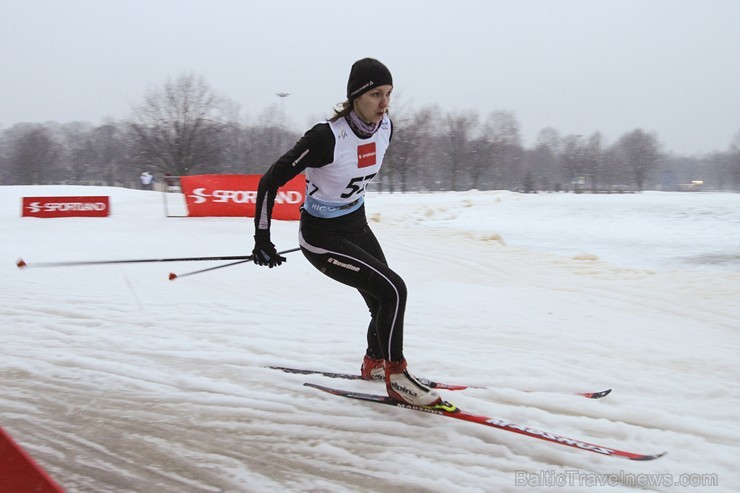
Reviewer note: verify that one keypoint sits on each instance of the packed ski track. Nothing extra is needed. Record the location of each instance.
(118, 380)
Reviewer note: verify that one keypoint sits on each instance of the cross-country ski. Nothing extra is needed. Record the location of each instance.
(451, 411)
(431, 383)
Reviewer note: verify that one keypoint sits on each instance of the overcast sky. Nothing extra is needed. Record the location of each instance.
(581, 66)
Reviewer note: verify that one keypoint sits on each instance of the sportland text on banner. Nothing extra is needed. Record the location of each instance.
(235, 195)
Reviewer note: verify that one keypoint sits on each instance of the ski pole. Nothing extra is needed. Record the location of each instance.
(174, 276)
(22, 264)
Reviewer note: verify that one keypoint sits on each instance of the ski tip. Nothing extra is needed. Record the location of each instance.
(21, 263)
(316, 386)
(290, 370)
(649, 457)
(596, 395)
(173, 276)
(325, 389)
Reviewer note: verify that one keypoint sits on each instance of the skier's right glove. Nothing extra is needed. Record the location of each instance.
(264, 252)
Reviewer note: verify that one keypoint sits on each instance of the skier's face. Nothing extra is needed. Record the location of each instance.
(372, 105)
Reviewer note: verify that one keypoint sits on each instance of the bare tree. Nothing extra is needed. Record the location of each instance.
(640, 152)
(177, 127)
(594, 160)
(735, 143)
(110, 149)
(410, 147)
(615, 170)
(574, 161)
(501, 130)
(78, 152)
(459, 128)
(735, 161)
(32, 155)
(543, 160)
(478, 160)
(234, 142)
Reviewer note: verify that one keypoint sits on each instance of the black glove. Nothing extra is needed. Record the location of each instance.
(264, 251)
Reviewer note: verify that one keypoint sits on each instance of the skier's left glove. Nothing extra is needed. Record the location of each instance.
(264, 251)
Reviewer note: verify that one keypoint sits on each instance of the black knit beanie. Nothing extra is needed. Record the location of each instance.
(366, 74)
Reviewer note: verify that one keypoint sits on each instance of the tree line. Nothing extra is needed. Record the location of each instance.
(184, 128)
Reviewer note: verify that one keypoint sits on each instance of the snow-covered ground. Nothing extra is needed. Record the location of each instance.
(118, 380)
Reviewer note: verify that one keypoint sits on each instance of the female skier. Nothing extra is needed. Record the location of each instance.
(339, 158)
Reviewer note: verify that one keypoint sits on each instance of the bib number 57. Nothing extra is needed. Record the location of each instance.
(357, 185)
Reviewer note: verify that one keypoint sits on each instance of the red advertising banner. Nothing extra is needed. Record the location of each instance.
(19, 472)
(79, 206)
(235, 195)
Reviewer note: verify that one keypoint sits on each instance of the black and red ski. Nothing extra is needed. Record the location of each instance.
(451, 411)
(428, 383)
(352, 376)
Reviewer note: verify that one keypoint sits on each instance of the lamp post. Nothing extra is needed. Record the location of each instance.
(282, 96)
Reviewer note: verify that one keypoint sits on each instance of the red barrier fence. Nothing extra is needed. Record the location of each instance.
(235, 195)
(19, 473)
(77, 206)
